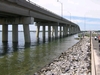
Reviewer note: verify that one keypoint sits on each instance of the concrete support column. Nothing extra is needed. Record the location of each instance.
(53, 31)
(56, 31)
(5, 33)
(75, 29)
(63, 31)
(69, 30)
(26, 33)
(60, 31)
(49, 32)
(43, 33)
(15, 33)
(72, 30)
(66, 30)
(37, 31)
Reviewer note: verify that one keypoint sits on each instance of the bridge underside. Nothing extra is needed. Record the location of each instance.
(4, 15)
(15, 12)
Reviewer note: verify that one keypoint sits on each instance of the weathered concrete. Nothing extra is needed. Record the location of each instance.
(24, 8)
(26, 12)
(43, 34)
(15, 33)
(60, 31)
(26, 33)
(75, 61)
(49, 32)
(56, 31)
(5, 33)
(37, 31)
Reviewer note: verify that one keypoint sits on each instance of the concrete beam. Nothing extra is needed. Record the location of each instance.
(18, 20)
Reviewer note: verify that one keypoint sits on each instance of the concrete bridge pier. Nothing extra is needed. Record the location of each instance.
(56, 32)
(15, 21)
(15, 33)
(73, 30)
(43, 35)
(49, 33)
(53, 31)
(26, 33)
(64, 31)
(76, 29)
(69, 29)
(66, 27)
(26, 21)
(37, 31)
(5, 33)
(60, 31)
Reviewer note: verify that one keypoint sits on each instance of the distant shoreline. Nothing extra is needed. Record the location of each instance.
(23, 31)
(19, 31)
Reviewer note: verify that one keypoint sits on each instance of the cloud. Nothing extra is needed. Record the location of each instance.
(96, 1)
(88, 9)
(73, 2)
(75, 7)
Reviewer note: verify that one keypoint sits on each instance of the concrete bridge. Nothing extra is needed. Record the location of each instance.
(24, 12)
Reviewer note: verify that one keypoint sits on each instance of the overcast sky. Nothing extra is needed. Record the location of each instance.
(86, 13)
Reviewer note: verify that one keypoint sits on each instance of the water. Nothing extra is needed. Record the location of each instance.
(25, 59)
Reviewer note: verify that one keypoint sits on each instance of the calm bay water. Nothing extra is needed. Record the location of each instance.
(25, 59)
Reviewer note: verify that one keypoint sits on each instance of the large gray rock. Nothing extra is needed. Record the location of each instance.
(75, 61)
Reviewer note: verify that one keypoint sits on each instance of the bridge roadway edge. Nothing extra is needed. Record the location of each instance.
(93, 67)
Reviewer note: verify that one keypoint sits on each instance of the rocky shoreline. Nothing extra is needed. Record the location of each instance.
(75, 61)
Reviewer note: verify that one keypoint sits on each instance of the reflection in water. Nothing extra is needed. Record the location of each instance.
(27, 45)
(26, 59)
(4, 49)
(15, 46)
